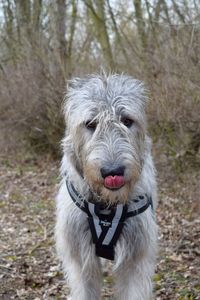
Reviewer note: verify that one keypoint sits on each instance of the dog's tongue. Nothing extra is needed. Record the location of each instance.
(114, 182)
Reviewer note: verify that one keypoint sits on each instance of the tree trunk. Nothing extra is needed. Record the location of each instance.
(117, 33)
(23, 14)
(61, 33)
(9, 20)
(36, 14)
(97, 13)
(140, 23)
(71, 38)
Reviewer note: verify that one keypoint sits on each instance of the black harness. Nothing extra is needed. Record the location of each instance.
(106, 224)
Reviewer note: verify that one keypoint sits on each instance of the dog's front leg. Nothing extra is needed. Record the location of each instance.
(81, 267)
(76, 251)
(134, 280)
(84, 280)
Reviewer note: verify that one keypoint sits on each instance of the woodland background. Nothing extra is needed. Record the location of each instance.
(42, 44)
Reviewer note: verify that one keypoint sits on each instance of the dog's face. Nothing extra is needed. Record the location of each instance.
(105, 133)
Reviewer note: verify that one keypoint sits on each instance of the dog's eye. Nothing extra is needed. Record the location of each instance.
(127, 122)
(91, 125)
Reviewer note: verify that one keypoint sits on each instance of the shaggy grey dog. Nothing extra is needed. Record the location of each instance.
(107, 198)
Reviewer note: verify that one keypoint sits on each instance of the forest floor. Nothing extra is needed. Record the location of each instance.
(29, 268)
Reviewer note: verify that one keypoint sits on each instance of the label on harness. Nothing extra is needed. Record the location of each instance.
(105, 223)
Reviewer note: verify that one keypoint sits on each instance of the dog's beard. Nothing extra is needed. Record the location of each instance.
(105, 195)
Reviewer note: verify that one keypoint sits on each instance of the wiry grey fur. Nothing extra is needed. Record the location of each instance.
(107, 100)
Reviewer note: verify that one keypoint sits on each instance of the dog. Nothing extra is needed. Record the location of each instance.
(108, 193)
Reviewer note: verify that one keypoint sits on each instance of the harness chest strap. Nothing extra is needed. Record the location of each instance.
(107, 224)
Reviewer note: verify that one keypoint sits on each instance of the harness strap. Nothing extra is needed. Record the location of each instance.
(76, 197)
(105, 229)
(107, 224)
(143, 203)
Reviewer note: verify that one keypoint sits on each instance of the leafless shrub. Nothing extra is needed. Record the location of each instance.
(157, 42)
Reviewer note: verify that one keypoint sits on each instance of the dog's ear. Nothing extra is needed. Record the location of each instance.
(140, 90)
(75, 83)
(131, 88)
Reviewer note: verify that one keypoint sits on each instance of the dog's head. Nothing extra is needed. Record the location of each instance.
(105, 133)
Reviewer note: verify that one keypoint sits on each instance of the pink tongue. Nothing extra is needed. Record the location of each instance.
(114, 181)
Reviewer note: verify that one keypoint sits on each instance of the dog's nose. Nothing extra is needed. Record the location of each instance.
(112, 171)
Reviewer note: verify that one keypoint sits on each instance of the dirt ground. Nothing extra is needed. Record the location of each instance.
(28, 265)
